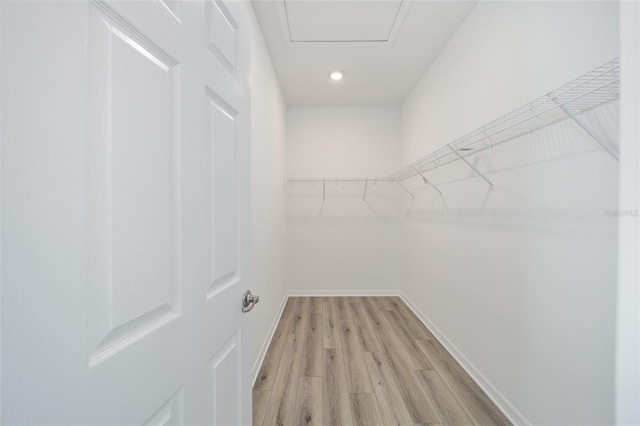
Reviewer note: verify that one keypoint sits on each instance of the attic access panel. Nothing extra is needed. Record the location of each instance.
(342, 21)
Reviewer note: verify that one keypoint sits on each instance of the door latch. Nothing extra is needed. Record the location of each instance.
(248, 301)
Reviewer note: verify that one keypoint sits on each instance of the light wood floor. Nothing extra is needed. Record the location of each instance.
(362, 361)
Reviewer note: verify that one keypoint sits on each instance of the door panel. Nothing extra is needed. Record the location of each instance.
(134, 285)
(224, 211)
(225, 383)
(221, 30)
(44, 349)
(173, 7)
(170, 414)
(127, 210)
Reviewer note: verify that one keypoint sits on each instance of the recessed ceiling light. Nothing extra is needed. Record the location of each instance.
(336, 75)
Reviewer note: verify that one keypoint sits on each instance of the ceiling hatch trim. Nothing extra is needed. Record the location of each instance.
(396, 17)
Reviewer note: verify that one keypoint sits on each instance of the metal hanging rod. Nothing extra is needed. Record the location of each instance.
(337, 180)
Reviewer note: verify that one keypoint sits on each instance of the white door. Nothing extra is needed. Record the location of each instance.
(125, 177)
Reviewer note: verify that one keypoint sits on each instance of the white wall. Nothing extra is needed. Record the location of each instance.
(342, 141)
(268, 114)
(628, 306)
(521, 279)
(344, 243)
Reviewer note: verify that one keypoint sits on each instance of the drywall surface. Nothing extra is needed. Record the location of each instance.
(628, 306)
(342, 240)
(521, 279)
(342, 141)
(268, 113)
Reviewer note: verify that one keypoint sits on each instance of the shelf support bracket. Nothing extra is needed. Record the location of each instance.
(612, 150)
(406, 190)
(427, 182)
(324, 190)
(471, 166)
(364, 196)
(487, 137)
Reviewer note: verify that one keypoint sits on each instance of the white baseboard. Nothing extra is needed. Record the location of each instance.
(494, 394)
(344, 293)
(267, 341)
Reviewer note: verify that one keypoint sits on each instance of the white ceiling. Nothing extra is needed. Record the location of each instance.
(383, 47)
(333, 21)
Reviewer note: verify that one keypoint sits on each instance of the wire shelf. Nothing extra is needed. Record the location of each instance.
(336, 181)
(594, 89)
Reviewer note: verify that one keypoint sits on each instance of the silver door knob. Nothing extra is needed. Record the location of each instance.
(248, 301)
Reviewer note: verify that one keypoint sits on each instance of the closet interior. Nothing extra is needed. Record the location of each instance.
(487, 200)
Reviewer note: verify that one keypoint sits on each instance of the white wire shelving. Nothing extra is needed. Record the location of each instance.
(324, 181)
(592, 90)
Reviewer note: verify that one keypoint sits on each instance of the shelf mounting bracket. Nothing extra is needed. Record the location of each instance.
(324, 193)
(612, 150)
(427, 182)
(364, 195)
(406, 190)
(471, 166)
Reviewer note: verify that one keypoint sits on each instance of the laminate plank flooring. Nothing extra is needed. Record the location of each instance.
(337, 407)
(417, 358)
(267, 374)
(358, 378)
(417, 402)
(301, 313)
(309, 403)
(388, 395)
(365, 410)
(260, 404)
(448, 406)
(282, 403)
(316, 305)
(312, 357)
(330, 324)
(475, 402)
(362, 361)
(366, 334)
